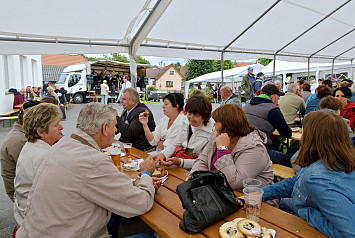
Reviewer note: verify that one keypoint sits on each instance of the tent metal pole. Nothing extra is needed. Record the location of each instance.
(274, 68)
(308, 63)
(222, 66)
(310, 28)
(332, 76)
(332, 42)
(237, 51)
(351, 69)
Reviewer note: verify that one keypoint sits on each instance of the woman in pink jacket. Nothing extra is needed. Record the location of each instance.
(236, 148)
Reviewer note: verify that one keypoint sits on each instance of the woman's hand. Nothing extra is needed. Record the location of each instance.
(172, 161)
(143, 119)
(222, 139)
(160, 157)
(161, 144)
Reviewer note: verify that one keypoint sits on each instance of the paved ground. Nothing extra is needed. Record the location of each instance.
(7, 222)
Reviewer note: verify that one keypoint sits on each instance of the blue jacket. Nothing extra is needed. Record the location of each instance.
(313, 105)
(324, 198)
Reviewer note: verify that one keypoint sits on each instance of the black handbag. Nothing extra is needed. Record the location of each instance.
(207, 198)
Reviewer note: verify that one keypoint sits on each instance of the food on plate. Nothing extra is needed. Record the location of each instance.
(146, 113)
(159, 172)
(265, 233)
(230, 230)
(107, 153)
(249, 227)
(295, 129)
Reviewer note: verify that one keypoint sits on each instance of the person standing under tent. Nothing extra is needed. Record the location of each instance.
(247, 83)
(126, 84)
(104, 92)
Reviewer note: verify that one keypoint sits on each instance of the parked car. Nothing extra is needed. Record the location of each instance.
(157, 95)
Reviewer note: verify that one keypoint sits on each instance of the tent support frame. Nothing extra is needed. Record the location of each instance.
(243, 32)
(338, 56)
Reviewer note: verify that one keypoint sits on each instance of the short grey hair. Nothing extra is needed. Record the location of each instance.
(133, 94)
(93, 116)
(292, 88)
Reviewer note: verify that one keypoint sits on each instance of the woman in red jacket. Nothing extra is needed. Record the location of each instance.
(344, 94)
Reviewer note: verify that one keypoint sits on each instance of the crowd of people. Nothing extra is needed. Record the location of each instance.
(46, 174)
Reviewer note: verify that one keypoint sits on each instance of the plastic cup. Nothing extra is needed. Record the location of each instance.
(127, 148)
(250, 182)
(253, 197)
(116, 157)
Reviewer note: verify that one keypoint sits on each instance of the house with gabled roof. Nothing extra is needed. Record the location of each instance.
(166, 78)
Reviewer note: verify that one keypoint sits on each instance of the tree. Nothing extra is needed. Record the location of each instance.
(264, 61)
(196, 68)
(141, 60)
(116, 57)
(178, 66)
(88, 58)
(226, 65)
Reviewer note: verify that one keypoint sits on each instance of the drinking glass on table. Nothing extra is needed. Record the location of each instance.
(128, 148)
(250, 182)
(253, 197)
(116, 157)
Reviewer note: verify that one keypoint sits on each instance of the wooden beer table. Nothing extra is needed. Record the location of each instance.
(295, 135)
(167, 212)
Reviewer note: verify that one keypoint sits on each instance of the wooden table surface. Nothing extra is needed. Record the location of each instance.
(167, 212)
(19, 106)
(295, 135)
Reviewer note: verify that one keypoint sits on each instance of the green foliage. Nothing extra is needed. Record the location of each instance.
(197, 68)
(116, 57)
(264, 61)
(178, 65)
(149, 89)
(88, 58)
(141, 60)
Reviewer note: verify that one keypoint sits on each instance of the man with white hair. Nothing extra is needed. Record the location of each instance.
(228, 97)
(291, 104)
(77, 186)
(104, 92)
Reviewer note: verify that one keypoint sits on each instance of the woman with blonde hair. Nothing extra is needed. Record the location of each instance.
(236, 148)
(42, 129)
(323, 192)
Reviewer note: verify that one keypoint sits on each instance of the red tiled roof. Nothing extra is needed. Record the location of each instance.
(240, 64)
(62, 59)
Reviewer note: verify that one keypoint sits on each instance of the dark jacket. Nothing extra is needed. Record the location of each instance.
(266, 116)
(132, 130)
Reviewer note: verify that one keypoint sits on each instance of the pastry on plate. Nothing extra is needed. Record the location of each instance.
(230, 230)
(249, 227)
(159, 173)
(265, 233)
(146, 113)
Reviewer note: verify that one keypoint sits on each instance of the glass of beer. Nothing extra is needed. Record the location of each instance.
(253, 197)
(128, 148)
(116, 157)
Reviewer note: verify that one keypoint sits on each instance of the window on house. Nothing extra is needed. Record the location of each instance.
(172, 72)
(336, 77)
(153, 82)
(169, 83)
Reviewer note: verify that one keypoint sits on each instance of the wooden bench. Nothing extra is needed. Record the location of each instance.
(3, 119)
(9, 113)
(282, 172)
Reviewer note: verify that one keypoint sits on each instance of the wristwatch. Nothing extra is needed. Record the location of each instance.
(223, 147)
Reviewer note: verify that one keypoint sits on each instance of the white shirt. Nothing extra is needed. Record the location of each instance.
(167, 135)
(124, 86)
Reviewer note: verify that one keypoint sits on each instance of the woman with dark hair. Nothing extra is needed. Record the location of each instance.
(169, 126)
(236, 148)
(344, 94)
(313, 105)
(323, 192)
(194, 134)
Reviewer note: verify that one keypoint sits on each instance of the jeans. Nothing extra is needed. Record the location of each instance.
(278, 157)
(104, 99)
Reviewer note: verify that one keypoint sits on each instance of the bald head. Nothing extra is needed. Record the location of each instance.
(226, 91)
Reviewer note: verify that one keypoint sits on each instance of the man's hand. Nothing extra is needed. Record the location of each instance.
(156, 183)
(222, 139)
(172, 161)
(148, 165)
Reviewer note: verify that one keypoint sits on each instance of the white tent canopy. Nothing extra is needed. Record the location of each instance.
(230, 76)
(200, 29)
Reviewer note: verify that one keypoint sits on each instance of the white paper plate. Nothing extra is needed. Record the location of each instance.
(272, 231)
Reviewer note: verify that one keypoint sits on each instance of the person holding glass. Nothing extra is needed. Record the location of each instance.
(323, 192)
